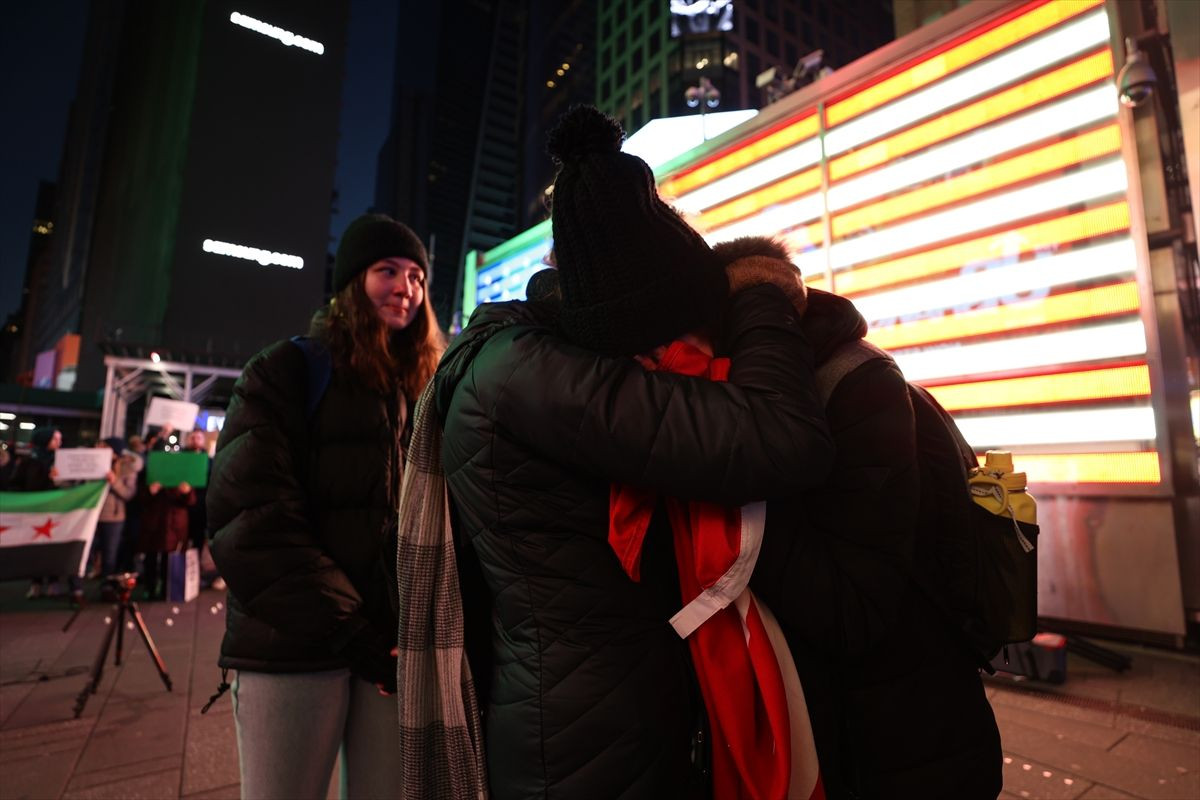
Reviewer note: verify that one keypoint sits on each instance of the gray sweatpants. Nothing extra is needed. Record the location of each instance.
(290, 726)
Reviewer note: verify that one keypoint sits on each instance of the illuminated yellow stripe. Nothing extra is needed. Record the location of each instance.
(1050, 158)
(1065, 387)
(1003, 244)
(1053, 84)
(1103, 301)
(796, 132)
(756, 201)
(954, 59)
(1089, 467)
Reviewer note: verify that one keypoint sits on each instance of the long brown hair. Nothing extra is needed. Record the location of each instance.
(384, 360)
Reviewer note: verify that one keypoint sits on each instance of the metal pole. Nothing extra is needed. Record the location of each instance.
(106, 415)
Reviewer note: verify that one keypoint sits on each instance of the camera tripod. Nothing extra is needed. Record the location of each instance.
(123, 584)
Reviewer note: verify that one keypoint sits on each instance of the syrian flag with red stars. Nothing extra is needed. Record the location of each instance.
(48, 533)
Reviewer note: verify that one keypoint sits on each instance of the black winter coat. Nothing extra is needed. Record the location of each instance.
(591, 694)
(898, 709)
(301, 514)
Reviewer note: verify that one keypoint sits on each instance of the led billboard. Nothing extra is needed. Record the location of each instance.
(971, 202)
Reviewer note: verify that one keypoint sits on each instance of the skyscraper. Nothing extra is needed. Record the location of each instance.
(196, 179)
(650, 53)
(464, 161)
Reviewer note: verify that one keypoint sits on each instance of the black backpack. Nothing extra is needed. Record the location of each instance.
(979, 569)
(320, 371)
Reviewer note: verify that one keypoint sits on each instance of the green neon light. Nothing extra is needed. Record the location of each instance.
(469, 288)
(519, 242)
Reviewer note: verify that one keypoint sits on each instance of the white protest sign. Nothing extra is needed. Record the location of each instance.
(178, 414)
(82, 463)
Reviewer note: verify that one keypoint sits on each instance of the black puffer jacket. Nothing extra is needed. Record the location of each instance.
(301, 516)
(590, 694)
(898, 709)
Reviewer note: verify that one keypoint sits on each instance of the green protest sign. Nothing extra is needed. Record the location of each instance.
(172, 469)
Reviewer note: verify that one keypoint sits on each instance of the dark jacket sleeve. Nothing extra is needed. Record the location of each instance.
(258, 515)
(761, 435)
(835, 564)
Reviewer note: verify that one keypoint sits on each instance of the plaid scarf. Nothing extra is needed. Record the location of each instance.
(441, 741)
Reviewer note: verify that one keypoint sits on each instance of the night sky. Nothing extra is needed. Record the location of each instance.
(41, 45)
(40, 52)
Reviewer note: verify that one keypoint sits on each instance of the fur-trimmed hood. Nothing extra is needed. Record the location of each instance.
(754, 260)
(827, 319)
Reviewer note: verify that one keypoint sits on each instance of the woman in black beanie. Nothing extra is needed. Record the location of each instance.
(544, 408)
(302, 513)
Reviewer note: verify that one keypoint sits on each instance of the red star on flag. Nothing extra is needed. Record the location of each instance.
(44, 529)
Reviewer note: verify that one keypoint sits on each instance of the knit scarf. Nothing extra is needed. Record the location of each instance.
(762, 744)
(441, 742)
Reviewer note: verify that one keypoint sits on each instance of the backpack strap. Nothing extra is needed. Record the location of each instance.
(320, 370)
(845, 359)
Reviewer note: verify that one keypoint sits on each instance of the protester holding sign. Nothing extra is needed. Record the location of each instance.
(122, 487)
(82, 463)
(164, 531)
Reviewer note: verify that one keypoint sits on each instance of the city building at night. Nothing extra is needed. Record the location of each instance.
(196, 181)
(14, 344)
(650, 51)
(464, 162)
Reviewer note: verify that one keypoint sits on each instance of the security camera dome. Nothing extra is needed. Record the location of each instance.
(1136, 80)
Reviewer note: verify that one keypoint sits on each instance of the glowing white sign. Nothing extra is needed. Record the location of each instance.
(660, 140)
(264, 257)
(284, 37)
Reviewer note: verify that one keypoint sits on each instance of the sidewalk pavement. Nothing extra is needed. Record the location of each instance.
(1100, 736)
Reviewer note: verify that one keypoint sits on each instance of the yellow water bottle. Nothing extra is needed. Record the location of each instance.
(995, 487)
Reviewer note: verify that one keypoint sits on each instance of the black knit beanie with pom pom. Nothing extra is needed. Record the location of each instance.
(632, 273)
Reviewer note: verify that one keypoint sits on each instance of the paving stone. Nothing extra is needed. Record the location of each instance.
(155, 786)
(21, 751)
(11, 696)
(135, 733)
(1180, 762)
(1170, 733)
(24, 743)
(1152, 782)
(99, 777)
(1047, 704)
(1102, 792)
(1161, 680)
(1101, 736)
(233, 792)
(37, 778)
(211, 754)
(54, 700)
(1026, 778)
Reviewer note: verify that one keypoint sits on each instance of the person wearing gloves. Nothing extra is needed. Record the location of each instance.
(302, 517)
(586, 689)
